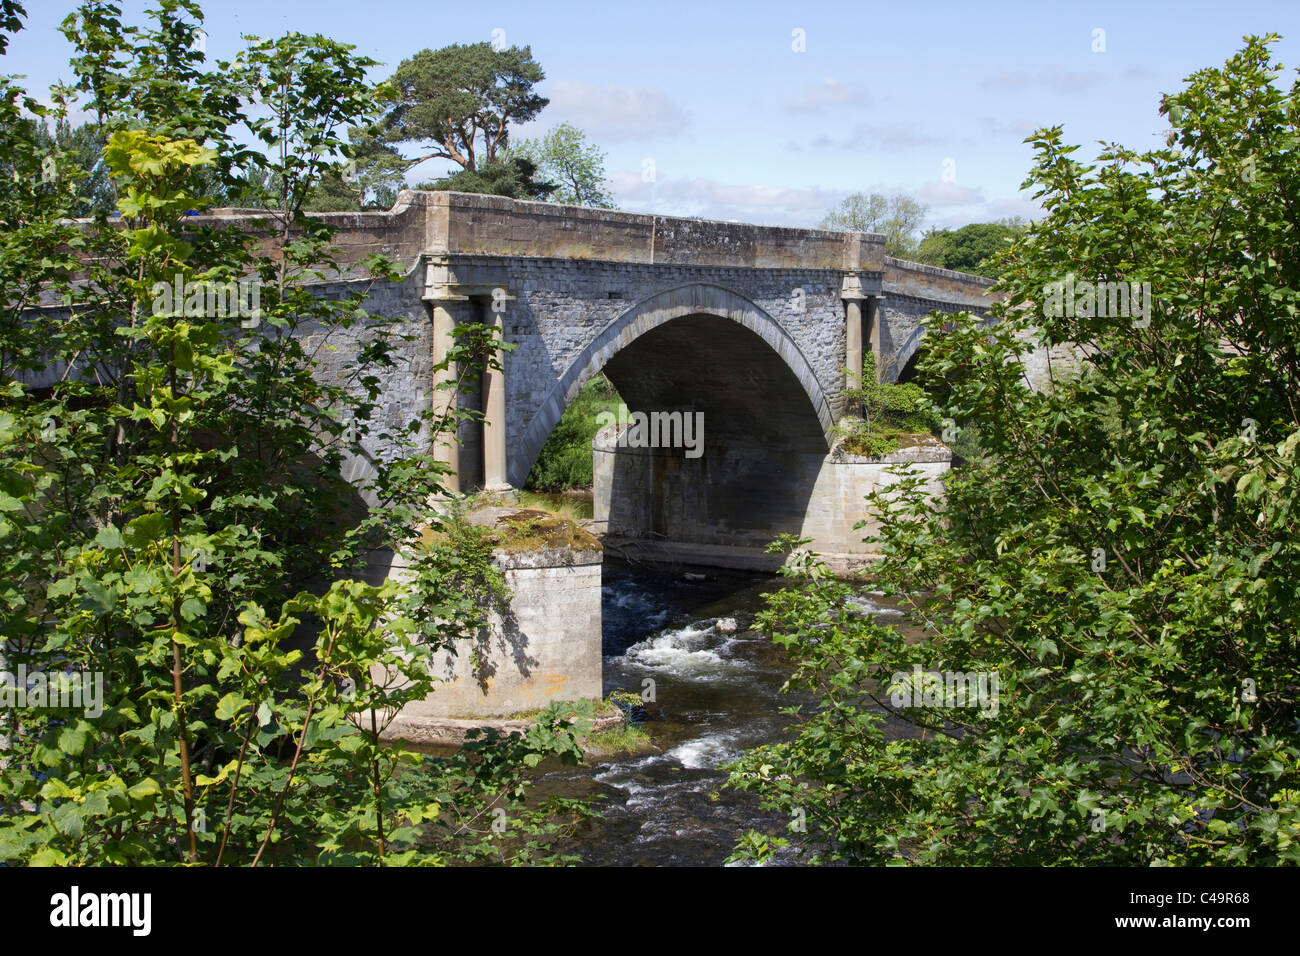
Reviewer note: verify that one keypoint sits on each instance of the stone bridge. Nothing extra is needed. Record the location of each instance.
(749, 327)
(753, 326)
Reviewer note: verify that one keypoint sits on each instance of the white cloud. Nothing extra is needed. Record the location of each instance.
(711, 199)
(1051, 77)
(1007, 79)
(948, 194)
(1018, 128)
(890, 137)
(612, 113)
(1005, 208)
(989, 211)
(829, 93)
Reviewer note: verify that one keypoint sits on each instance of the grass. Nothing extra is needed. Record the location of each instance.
(523, 529)
(859, 439)
(570, 505)
(624, 737)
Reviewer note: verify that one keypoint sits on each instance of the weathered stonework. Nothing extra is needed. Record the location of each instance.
(663, 502)
(748, 326)
(546, 646)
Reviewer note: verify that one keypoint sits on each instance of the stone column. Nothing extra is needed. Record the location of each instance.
(851, 293)
(873, 331)
(445, 447)
(494, 411)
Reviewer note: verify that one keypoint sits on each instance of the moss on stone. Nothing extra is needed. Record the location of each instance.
(531, 529)
(512, 530)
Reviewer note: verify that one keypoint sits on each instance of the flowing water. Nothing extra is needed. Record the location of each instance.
(717, 693)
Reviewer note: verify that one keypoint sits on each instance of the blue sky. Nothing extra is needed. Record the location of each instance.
(739, 125)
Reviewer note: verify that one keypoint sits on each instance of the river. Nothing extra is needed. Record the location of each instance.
(716, 693)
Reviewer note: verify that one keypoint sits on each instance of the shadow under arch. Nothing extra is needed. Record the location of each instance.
(904, 365)
(694, 299)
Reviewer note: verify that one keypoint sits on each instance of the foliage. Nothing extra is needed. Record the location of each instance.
(632, 706)
(79, 148)
(565, 459)
(565, 156)
(458, 102)
(973, 248)
(491, 816)
(1125, 558)
(174, 527)
(896, 217)
(333, 192)
(513, 176)
(890, 412)
(622, 738)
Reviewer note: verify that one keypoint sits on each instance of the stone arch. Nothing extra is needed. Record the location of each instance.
(909, 351)
(651, 313)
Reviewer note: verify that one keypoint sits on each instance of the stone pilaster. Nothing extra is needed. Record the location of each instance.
(851, 293)
(446, 448)
(494, 404)
(445, 307)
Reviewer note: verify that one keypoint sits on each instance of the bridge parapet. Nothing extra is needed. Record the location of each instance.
(920, 281)
(494, 225)
(441, 223)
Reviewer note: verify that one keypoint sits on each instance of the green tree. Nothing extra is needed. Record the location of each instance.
(882, 414)
(81, 148)
(1125, 558)
(513, 176)
(458, 102)
(376, 169)
(172, 520)
(333, 193)
(973, 248)
(565, 156)
(565, 461)
(898, 218)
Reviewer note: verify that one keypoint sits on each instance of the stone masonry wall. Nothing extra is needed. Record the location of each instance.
(547, 647)
(562, 305)
(639, 494)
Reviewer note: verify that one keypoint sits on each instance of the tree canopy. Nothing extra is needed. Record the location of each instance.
(175, 528)
(576, 166)
(1120, 565)
(458, 102)
(512, 176)
(897, 217)
(972, 248)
